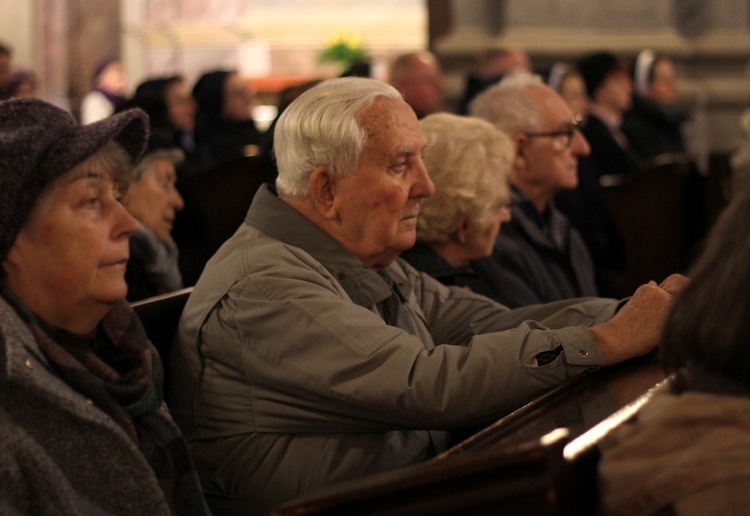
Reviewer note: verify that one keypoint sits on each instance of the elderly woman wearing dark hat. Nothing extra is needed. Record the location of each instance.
(83, 425)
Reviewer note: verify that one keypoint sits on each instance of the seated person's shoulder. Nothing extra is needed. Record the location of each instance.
(508, 242)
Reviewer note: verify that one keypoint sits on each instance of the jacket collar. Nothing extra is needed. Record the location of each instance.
(279, 220)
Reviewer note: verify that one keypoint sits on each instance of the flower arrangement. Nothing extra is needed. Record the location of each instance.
(344, 48)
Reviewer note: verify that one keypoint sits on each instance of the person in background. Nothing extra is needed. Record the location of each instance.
(22, 83)
(6, 65)
(108, 91)
(154, 201)
(309, 353)
(419, 78)
(493, 66)
(566, 80)
(538, 252)
(83, 425)
(171, 111)
(686, 452)
(468, 160)
(586, 205)
(224, 127)
(610, 89)
(654, 123)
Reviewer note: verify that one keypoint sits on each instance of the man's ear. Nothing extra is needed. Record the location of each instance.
(323, 191)
(520, 142)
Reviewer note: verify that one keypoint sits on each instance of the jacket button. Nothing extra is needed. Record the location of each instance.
(29, 364)
(583, 353)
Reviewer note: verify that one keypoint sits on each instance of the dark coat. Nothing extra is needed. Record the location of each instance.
(528, 266)
(606, 153)
(424, 259)
(654, 128)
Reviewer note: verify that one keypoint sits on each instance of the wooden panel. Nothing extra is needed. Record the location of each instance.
(655, 220)
(518, 465)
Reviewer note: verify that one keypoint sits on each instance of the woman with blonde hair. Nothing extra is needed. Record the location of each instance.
(468, 160)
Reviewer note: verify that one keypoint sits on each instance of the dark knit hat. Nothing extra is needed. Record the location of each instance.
(595, 68)
(39, 142)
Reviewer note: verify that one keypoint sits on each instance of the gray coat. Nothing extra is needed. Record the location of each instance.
(60, 454)
(286, 376)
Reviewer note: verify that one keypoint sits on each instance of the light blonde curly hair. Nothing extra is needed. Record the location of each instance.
(469, 160)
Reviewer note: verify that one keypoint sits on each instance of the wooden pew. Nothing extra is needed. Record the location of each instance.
(541, 459)
(216, 202)
(660, 212)
(519, 479)
(160, 316)
(223, 195)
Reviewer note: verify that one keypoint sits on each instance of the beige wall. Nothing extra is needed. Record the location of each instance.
(708, 39)
(17, 29)
(63, 39)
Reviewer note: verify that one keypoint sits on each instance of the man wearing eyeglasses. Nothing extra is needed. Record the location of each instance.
(538, 251)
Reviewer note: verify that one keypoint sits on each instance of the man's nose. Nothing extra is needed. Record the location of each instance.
(423, 185)
(581, 146)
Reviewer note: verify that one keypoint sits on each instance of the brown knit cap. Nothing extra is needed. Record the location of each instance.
(39, 142)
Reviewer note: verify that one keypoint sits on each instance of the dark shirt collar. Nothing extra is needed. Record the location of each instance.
(279, 220)
(523, 203)
(424, 259)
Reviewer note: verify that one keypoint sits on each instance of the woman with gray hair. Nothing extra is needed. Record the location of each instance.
(468, 160)
(154, 201)
(83, 425)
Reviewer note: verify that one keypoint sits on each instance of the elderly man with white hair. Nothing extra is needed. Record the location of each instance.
(309, 353)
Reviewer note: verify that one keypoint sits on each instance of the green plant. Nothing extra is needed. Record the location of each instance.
(344, 48)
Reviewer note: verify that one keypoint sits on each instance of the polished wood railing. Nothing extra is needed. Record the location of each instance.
(540, 459)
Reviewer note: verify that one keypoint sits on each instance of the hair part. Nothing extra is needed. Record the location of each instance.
(322, 128)
(508, 104)
(468, 160)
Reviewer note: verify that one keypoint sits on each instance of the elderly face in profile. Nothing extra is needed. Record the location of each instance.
(370, 205)
(152, 197)
(376, 208)
(67, 261)
(468, 160)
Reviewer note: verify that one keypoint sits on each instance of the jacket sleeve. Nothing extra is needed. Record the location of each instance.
(306, 357)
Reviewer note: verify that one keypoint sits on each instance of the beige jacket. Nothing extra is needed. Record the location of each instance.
(685, 454)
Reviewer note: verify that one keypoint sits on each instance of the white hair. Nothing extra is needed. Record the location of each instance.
(321, 128)
(507, 104)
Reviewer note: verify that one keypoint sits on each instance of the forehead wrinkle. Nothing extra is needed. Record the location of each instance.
(405, 151)
(86, 173)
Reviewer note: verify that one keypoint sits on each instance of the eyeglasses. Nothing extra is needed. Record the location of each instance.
(567, 133)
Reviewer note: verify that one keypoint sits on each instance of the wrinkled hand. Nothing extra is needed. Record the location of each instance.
(674, 283)
(637, 327)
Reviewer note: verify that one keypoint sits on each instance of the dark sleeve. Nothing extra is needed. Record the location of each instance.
(506, 279)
